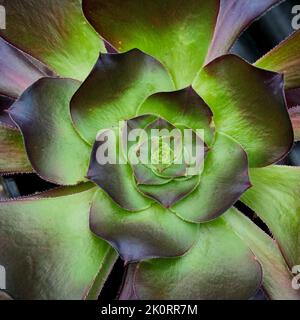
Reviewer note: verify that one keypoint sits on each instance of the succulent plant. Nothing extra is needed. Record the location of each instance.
(162, 65)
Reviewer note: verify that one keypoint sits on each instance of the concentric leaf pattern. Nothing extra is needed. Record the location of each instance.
(170, 69)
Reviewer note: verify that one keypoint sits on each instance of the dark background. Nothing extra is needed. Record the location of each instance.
(257, 40)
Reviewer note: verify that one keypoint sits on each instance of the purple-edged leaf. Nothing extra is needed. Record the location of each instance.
(13, 157)
(116, 180)
(248, 105)
(275, 199)
(118, 84)
(218, 267)
(293, 97)
(47, 248)
(175, 32)
(144, 175)
(234, 17)
(56, 151)
(17, 71)
(295, 118)
(170, 193)
(277, 278)
(154, 232)
(285, 58)
(223, 180)
(55, 32)
(182, 107)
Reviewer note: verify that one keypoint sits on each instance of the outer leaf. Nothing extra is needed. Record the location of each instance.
(154, 232)
(56, 151)
(285, 58)
(234, 17)
(223, 181)
(69, 44)
(17, 72)
(13, 157)
(115, 88)
(182, 107)
(277, 278)
(219, 266)
(275, 198)
(46, 245)
(295, 118)
(177, 33)
(104, 271)
(248, 105)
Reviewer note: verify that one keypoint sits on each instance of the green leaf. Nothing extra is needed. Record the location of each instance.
(285, 58)
(275, 198)
(177, 33)
(218, 266)
(118, 84)
(153, 232)
(13, 157)
(55, 32)
(56, 151)
(277, 278)
(182, 107)
(46, 245)
(248, 105)
(17, 71)
(223, 181)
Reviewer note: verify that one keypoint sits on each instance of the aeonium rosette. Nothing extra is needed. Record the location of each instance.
(152, 147)
(156, 207)
(180, 195)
